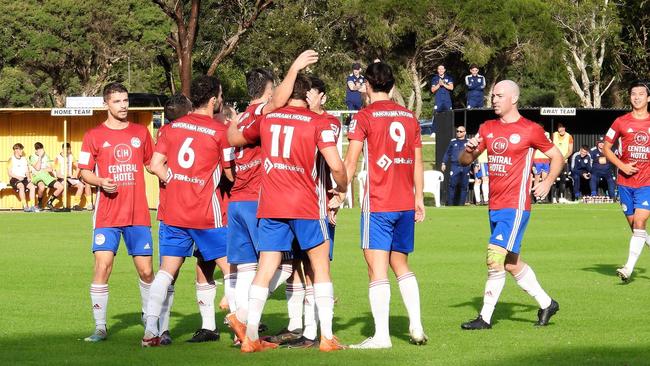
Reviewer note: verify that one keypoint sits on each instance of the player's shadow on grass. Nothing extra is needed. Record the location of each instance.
(399, 326)
(503, 310)
(609, 270)
(124, 321)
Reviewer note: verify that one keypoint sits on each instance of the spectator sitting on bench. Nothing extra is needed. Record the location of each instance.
(20, 177)
(43, 176)
(71, 175)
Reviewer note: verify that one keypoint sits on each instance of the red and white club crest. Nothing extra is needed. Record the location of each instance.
(500, 145)
(641, 138)
(122, 153)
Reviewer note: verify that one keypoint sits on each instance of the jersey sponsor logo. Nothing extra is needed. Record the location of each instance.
(100, 239)
(193, 127)
(242, 167)
(84, 157)
(293, 117)
(641, 138)
(379, 114)
(514, 138)
(267, 165)
(500, 145)
(106, 144)
(135, 142)
(384, 162)
(184, 178)
(122, 153)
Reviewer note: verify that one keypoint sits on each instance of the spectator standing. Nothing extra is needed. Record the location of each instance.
(600, 168)
(20, 177)
(564, 141)
(580, 169)
(441, 86)
(458, 174)
(475, 86)
(355, 86)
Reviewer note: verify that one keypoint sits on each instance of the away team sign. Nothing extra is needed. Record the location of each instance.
(65, 112)
(558, 112)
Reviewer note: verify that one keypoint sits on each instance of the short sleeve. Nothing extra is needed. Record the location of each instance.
(162, 144)
(227, 151)
(417, 139)
(251, 132)
(613, 133)
(539, 140)
(359, 127)
(570, 139)
(450, 78)
(147, 151)
(88, 153)
(324, 134)
(349, 78)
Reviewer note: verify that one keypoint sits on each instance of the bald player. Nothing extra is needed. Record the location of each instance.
(510, 142)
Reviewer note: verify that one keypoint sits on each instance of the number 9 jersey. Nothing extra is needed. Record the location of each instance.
(197, 151)
(390, 134)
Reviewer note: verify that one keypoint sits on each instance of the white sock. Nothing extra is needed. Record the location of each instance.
(324, 298)
(639, 238)
(280, 276)
(229, 284)
(144, 295)
(408, 286)
(157, 295)
(256, 300)
(311, 316)
(99, 299)
(527, 280)
(295, 293)
(166, 310)
(477, 192)
(493, 286)
(205, 294)
(379, 295)
(245, 275)
(485, 186)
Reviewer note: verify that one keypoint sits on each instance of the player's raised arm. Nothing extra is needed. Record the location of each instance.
(471, 151)
(283, 91)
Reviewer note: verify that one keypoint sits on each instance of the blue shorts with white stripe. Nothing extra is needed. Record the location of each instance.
(388, 231)
(507, 226)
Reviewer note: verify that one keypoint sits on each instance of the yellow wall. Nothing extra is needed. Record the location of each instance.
(28, 126)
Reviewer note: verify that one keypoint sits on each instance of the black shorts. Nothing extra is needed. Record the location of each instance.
(13, 182)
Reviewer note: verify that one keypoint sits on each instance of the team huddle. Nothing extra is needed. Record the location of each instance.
(258, 197)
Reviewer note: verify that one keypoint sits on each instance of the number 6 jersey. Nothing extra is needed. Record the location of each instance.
(291, 137)
(196, 149)
(390, 134)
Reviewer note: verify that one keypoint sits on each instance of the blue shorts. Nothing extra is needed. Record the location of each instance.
(277, 235)
(633, 198)
(242, 232)
(482, 171)
(541, 167)
(179, 242)
(137, 239)
(331, 230)
(389, 231)
(507, 226)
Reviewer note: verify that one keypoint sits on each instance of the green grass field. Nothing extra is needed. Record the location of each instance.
(46, 267)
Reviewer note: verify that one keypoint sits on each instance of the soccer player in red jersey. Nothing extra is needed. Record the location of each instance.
(177, 106)
(510, 142)
(289, 207)
(632, 132)
(113, 157)
(242, 209)
(389, 136)
(189, 157)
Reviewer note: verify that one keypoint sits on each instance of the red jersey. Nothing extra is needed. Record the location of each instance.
(160, 216)
(120, 155)
(390, 134)
(633, 137)
(248, 160)
(325, 183)
(196, 150)
(291, 137)
(510, 148)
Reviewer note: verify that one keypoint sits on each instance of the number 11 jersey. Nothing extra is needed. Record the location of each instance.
(390, 134)
(291, 137)
(197, 150)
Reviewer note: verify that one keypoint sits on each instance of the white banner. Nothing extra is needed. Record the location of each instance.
(558, 112)
(65, 112)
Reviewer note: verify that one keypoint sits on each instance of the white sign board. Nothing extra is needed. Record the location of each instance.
(84, 102)
(558, 112)
(66, 112)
